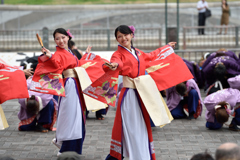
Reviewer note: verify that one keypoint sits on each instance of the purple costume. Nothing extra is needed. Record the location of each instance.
(46, 98)
(175, 102)
(230, 61)
(231, 96)
(213, 55)
(231, 54)
(45, 116)
(234, 82)
(194, 69)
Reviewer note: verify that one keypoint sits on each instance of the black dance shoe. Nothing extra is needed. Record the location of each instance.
(40, 128)
(233, 127)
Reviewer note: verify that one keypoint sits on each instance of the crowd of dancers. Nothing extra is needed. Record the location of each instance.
(217, 73)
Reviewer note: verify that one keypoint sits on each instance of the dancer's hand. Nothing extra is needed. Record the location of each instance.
(172, 44)
(28, 72)
(113, 66)
(88, 50)
(46, 52)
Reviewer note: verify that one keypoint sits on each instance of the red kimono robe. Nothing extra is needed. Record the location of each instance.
(71, 118)
(13, 82)
(131, 67)
(48, 79)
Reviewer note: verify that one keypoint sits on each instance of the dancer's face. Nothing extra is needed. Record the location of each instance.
(61, 40)
(124, 39)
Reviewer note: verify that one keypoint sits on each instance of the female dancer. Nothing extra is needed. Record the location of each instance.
(131, 134)
(71, 120)
(220, 105)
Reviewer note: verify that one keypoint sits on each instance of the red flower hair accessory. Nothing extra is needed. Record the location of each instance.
(132, 29)
(70, 34)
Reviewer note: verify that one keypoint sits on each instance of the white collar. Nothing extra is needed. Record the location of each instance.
(132, 52)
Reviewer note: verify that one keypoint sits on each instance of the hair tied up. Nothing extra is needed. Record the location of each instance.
(70, 34)
(132, 29)
(32, 97)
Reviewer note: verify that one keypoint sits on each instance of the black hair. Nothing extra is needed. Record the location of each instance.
(34, 66)
(181, 88)
(124, 29)
(63, 31)
(32, 106)
(202, 156)
(75, 51)
(220, 72)
(72, 43)
(34, 61)
(219, 54)
(221, 113)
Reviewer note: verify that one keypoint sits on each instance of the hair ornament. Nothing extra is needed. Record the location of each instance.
(217, 106)
(70, 34)
(132, 29)
(226, 106)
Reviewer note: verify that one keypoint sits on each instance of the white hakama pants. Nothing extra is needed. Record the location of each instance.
(135, 135)
(69, 121)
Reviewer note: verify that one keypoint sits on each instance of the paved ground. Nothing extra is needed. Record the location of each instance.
(178, 140)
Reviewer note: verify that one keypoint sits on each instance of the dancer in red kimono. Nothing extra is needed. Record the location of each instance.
(70, 131)
(131, 134)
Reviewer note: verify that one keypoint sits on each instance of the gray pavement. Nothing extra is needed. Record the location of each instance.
(176, 141)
